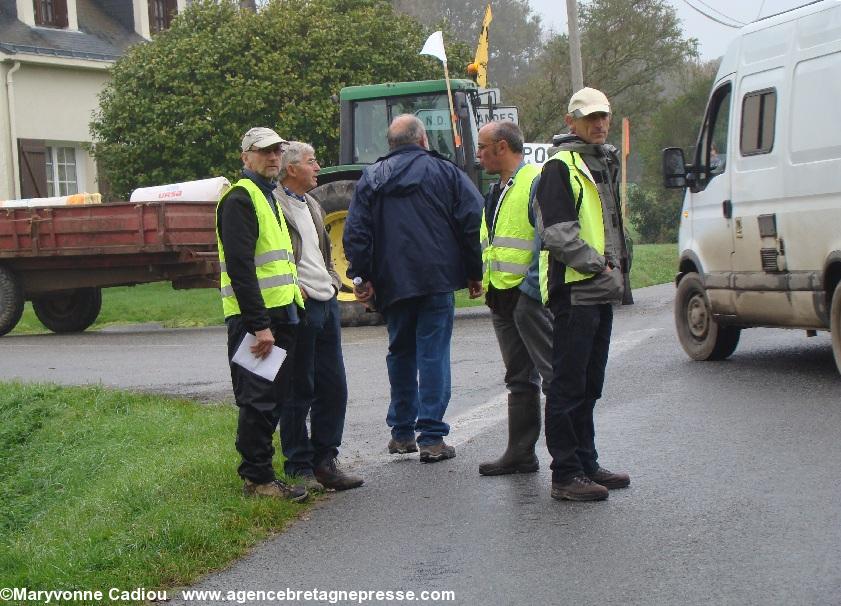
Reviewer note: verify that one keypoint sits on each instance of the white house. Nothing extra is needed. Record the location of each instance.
(55, 57)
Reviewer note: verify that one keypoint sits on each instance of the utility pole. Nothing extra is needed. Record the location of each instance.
(574, 46)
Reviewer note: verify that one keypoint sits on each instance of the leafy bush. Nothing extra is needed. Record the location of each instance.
(655, 216)
(176, 107)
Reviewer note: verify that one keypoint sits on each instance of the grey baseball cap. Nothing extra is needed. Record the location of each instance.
(588, 101)
(261, 137)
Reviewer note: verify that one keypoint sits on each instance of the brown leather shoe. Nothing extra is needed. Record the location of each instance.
(402, 446)
(610, 479)
(276, 489)
(330, 475)
(432, 453)
(579, 488)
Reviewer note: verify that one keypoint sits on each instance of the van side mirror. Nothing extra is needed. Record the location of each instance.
(674, 168)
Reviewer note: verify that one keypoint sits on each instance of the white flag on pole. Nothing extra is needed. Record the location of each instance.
(435, 46)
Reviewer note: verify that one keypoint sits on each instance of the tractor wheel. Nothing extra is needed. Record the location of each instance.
(69, 310)
(335, 199)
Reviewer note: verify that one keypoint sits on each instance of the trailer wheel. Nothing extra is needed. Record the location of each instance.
(835, 325)
(69, 310)
(11, 300)
(335, 199)
(701, 336)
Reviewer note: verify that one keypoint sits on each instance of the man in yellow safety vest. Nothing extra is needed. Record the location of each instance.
(261, 300)
(523, 326)
(577, 211)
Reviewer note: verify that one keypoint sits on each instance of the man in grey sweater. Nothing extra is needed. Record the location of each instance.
(319, 385)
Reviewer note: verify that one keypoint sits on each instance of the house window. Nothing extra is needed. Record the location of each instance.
(62, 177)
(161, 14)
(51, 13)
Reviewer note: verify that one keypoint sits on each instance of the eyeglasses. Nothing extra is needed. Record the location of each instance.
(482, 146)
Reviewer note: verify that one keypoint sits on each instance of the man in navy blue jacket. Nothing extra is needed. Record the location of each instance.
(412, 235)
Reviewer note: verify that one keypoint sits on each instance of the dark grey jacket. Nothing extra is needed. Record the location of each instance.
(556, 220)
(317, 214)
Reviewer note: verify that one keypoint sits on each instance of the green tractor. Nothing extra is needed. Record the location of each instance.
(365, 113)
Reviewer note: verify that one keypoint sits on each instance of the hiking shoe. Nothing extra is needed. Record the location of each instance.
(330, 475)
(578, 488)
(308, 481)
(276, 489)
(402, 446)
(432, 453)
(610, 479)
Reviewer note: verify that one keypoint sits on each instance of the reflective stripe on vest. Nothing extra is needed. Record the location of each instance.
(272, 255)
(264, 283)
(508, 256)
(590, 218)
(277, 275)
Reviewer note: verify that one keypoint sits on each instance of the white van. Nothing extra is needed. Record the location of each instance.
(760, 231)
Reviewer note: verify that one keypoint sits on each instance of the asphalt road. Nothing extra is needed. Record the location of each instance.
(735, 465)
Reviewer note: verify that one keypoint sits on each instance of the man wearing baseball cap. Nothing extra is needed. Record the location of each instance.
(260, 297)
(577, 212)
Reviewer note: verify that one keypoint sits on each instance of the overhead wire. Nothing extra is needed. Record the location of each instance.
(715, 10)
(711, 17)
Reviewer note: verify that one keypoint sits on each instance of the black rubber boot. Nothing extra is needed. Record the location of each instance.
(523, 431)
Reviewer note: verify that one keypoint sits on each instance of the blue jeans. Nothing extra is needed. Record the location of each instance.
(418, 360)
(319, 387)
(581, 341)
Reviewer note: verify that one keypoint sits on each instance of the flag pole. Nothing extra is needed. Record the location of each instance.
(456, 136)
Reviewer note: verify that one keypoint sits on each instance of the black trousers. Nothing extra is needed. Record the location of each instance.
(580, 347)
(260, 402)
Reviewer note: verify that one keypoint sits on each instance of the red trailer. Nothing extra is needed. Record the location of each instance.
(60, 257)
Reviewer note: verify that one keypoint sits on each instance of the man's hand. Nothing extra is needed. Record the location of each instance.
(474, 289)
(263, 346)
(364, 292)
(304, 294)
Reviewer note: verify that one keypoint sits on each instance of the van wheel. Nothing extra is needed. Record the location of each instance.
(701, 336)
(11, 300)
(68, 311)
(835, 325)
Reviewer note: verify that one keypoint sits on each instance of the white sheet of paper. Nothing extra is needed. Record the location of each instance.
(267, 367)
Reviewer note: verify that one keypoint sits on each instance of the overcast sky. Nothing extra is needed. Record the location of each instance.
(713, 38)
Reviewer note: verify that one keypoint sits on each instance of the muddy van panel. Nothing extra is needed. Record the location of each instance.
(761, 222)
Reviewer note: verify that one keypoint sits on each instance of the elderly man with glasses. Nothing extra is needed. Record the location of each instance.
(260, 297)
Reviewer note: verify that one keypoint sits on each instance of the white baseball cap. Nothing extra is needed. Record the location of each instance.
(588, 101)
(261, 137)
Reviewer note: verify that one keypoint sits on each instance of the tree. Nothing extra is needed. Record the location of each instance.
(177, 106)
(515, 34)
(628, 47)
(655, 211)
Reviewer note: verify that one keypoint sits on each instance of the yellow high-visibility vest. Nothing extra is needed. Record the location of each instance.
(507, 256)
(590, 217)
(277, 275)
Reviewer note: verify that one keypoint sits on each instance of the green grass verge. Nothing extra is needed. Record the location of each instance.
(108, 489)
(653, 264)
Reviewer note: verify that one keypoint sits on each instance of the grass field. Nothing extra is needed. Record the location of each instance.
(108, 489)
(653, 264)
